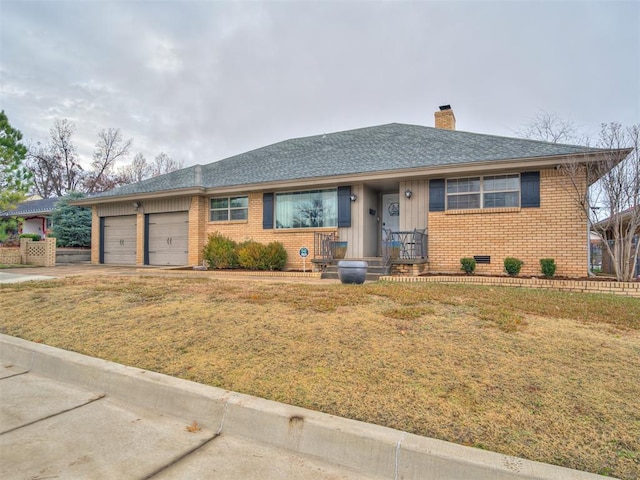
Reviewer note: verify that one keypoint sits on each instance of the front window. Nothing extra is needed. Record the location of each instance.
(316, 208)
(495, 191)
(229, 208)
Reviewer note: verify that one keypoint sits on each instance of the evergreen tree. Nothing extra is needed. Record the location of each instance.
(15, 178)
(71, 224)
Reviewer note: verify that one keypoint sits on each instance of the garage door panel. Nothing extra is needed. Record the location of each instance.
(119, 241)
(168, 242)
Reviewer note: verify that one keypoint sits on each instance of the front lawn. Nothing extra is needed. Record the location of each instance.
(549, 376)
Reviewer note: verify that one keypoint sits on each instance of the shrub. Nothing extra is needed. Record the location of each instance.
(275, 256)
(256, 256)
(33, 236)
(220, 251)
(548, 267)
(468, 265)
(251, 255)
(512, 265)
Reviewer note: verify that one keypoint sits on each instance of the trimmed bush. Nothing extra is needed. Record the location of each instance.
(220, 252)
(256, 256)
(251, 255)
(468, 265)
(33, 236)
(512, 265)
(275, 256)
(548, 267)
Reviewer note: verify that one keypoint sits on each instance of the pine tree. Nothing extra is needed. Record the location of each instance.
(15, 178)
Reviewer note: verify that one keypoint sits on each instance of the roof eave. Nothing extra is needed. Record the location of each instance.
(513, 164)
(181, 192)
(517, 164)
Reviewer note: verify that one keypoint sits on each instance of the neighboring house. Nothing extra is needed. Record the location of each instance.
(472, 194)
(35, 215)
(605, 228)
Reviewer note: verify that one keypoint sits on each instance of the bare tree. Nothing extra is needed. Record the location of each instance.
(607, 190)
(138, 170)
(548, 127)
(110, 148)
(163, 163)
(55, 166)
(613, 203)
(608, 193)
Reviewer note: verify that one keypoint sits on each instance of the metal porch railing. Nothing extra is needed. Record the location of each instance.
(324, 246)
(409, 245)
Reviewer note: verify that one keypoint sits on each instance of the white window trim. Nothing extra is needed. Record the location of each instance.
(229, 208)
(482, 191)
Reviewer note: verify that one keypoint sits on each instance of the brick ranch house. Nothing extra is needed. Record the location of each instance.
(470, 194)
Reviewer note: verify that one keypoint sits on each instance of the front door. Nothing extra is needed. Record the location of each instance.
(390, 213)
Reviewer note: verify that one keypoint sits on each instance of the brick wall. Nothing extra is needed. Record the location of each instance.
(198, 217)
(10, 256)
(292, 239)
(630, 289)
(42, 253)
(95, 236)
(557, 229)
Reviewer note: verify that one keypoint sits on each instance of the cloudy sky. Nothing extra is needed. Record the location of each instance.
(204, 80)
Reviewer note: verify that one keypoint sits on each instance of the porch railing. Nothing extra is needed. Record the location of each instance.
(408, 245)
(324, 246)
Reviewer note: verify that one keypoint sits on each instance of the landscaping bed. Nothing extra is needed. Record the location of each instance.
(546, 375)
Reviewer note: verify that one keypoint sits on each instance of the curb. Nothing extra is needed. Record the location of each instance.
(366, 448)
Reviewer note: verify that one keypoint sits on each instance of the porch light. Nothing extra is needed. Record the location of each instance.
(353, 197)
(408, 193)
(136, 206)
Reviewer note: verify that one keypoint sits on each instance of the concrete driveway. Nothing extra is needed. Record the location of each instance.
(10, 277)
(73, 270)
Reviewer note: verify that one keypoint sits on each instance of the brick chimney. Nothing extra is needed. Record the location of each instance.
(445, 118)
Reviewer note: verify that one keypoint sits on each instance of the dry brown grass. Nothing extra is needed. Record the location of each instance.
(550, 376)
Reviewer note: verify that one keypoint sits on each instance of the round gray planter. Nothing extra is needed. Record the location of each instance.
(352, 271)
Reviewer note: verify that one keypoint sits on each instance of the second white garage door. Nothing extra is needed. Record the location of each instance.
(168, 238)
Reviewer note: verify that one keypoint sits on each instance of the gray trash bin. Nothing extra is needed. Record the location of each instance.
(352, 271)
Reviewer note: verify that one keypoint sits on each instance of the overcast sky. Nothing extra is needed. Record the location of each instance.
(204, 80)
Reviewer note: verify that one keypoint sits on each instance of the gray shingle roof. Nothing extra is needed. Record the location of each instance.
(366, 150)
(32, 207)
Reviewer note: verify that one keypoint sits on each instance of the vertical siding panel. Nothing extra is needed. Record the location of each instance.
(354, 234)
(413, 211)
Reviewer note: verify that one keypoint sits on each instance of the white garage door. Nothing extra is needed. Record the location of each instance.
(120, 240)
(168, 238)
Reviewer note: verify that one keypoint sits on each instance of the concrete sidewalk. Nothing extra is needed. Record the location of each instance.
(65, 415)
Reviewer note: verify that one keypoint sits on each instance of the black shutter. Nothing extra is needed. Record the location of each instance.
(344, 206)
(146, 239)
(267, 211)
(436, 195)
(530, 189)
(101, 254)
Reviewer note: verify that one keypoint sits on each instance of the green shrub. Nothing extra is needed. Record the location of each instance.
(548, 267)
(275, 256)
(220, 252)
(468, 264)
(512, 265)
(251, 255)
(33, 236)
